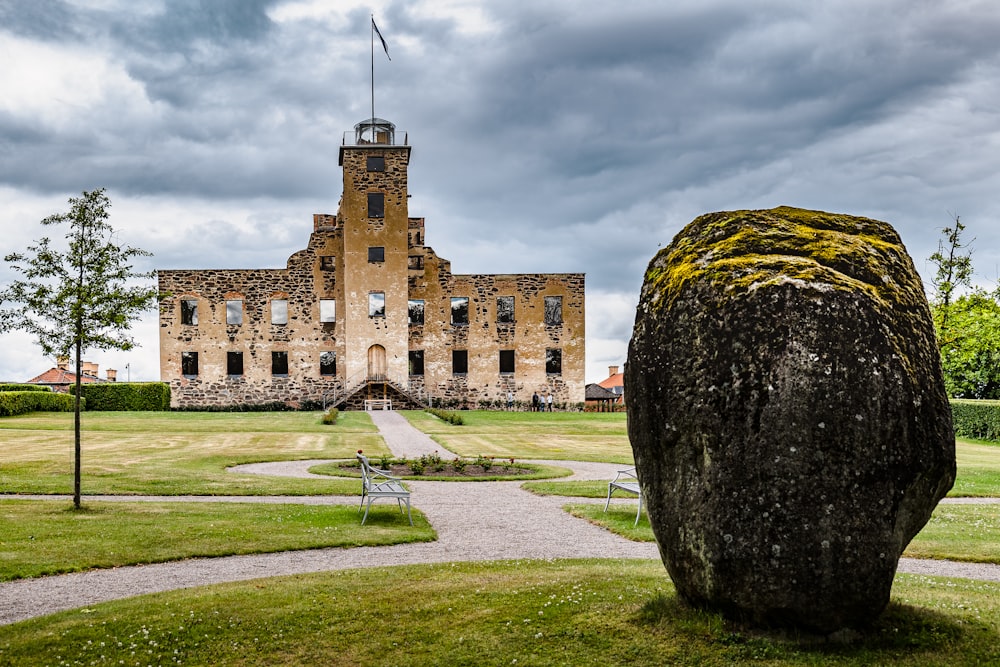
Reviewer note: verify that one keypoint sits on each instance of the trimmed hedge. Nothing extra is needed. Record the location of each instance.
(446, 415)
(976, 419)
(22, 402)
(126, 396)
(25, 387)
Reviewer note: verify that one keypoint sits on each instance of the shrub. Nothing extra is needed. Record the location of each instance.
(22, 402)
(126, 396)
(446, 415)
(976, 419)
(24, 387)
(330, 416)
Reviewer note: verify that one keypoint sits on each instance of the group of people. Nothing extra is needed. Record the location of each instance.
(539, 403)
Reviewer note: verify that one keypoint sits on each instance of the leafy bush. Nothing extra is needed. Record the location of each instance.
(126, 396)
(22, 402)
(24, 387)
(976, 419)
(273, 406)
(446, 415)
(330, 416)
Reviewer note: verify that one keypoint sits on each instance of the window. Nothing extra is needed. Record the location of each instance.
(234, 311)
(327, 310)
(505, 309)
(327, 263)
(189, 311)
(279, 311)
(459, 362)
(415, 309)
(376, 304)
(376, 254)
(553, 361)
(328, 363)
(506, 362)
(376, 163)
(234, 363)
(460, 310)
(553, 310)
(189, 364)
(416, 362)
(376, 205)
(279, 363)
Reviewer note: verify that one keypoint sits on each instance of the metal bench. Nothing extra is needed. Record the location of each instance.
(627, 481)
(380, 484)
(380, 403)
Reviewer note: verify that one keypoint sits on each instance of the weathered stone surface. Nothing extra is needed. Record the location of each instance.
(787, 414)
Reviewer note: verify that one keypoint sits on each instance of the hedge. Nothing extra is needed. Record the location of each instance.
(446, 415)
(976, 419)
(21, 402)
(126, 396)
(25, 387)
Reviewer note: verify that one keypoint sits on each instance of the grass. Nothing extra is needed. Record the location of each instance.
(568, 436)
(176, 453)
(969, 533)
(40, 538)
(502, 613)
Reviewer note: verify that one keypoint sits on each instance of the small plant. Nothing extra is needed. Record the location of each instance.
(330, 416)
(485, 462)
(385, 461)
(459, 464)
(417, 466)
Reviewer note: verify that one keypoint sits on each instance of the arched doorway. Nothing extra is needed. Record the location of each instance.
(377, 370)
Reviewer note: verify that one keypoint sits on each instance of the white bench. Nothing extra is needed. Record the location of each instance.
(380, 484)
(380, 403)
(627, 481)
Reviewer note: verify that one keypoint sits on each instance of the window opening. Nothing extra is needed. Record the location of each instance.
(553, 361)
(459, 362)
(376, 205)
(189, 311)
(189, 364)
(415, 310)
(376, 304)
(327, 310)
(234, 311)
(279, 363)
(279, 311)
(460, 310)
(328, 363)
(506, 362)
(416, 362)
(376, 254)
(376, 163)
(505, 309)
(553, 310)
(234, 363)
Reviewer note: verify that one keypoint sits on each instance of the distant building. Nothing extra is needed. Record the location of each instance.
(61, 378)
(367, 311)
(615, 383)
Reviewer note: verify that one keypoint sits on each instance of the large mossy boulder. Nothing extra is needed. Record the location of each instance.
(787, 414)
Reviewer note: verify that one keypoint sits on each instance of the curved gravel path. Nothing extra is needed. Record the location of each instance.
(475, 521)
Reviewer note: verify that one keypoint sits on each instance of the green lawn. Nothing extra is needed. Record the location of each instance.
(176, 453)
(568, 436)
(968, 533)
(603, 612)
(39, 538)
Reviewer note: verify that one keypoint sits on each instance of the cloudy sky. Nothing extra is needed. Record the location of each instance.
(548, 135)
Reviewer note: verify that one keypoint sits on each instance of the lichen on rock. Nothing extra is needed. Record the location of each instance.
(787, 413)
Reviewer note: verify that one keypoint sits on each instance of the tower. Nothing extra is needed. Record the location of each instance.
(373, 214)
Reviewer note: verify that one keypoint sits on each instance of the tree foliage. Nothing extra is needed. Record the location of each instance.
(81, 298)
(966, 319)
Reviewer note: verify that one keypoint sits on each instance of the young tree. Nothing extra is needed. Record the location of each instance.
(954, 272)
(83, 298)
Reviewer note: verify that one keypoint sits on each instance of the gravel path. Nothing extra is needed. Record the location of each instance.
(475, 522)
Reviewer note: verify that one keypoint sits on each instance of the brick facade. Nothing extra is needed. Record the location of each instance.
(367, 270)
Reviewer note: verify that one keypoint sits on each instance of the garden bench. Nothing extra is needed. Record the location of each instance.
(380, 403)
(377, 484)
(627, 481)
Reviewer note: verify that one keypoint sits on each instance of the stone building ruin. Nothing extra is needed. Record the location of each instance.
(368, 312)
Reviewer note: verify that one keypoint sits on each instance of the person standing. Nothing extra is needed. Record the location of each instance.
(534, 402)
(548, 400)
(510, 401)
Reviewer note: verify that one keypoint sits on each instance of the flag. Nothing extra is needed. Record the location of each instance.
(381, 38)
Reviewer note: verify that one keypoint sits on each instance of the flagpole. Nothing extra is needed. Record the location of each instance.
(373, 77)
